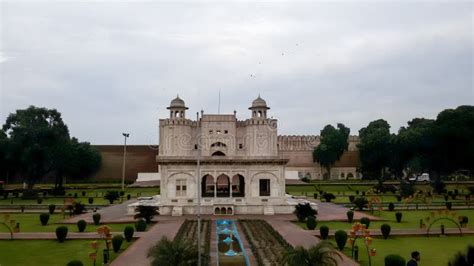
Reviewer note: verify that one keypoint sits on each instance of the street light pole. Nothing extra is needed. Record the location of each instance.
(126, 135)
(198, 175)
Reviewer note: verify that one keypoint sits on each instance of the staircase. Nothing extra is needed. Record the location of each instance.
(268, 210)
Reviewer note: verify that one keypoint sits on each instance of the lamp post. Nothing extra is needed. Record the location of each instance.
(125, 135)
(198, 177)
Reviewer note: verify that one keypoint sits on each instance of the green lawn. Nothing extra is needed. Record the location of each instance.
(435, 251)
(410, 219)
(49, 252)
(31, 223)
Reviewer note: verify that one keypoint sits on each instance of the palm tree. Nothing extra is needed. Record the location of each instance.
(173, 253)
(322, 254)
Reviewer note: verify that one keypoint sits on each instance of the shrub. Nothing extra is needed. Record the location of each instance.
(329, 196)
(391, 207)
(128, 233)
(61, 233)
(117, 241)
(22, 208)
(75, 195)
(350, 216)
(398, 216)
(96, 218)
(357, 192)
(81, 225)
(351, 198)
(83, 193)
(399, 198)
(315, 195)
(51, 208)
(311, 223)
(112, 196)
(44, 218)
(463, 220)
(324, 232)
(90, 200)
(78, 208)
(394, 260)
(341, 238)
(361, 203)
(140, 225)
(146, 212)
(385, 228)
(462, 258)
(303, 211)
(446, 197)
(39, 200)
(129, 196)
(366, 221)
(449, 205)
(75, 263)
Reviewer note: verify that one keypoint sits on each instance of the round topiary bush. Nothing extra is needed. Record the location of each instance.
(311, 223)
(366, 221)
(449, 205)
(75, 263)
(90, 200)
(129, 196)
(398, 216)
(44, 218)
(341, 238)
(81, 225)
(350, 216)
(394, 260)
(61, 233)
(385, 228)
(351, 198)
(140, 225)
(315, 195)
(39, 200)
(399, 198)
(324, 232)
(96, 218)
(51, 208)
(128, 233)
(391, 207)
(117, 241)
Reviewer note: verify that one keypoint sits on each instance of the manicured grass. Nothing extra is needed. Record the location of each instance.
(435, 251)
(50, 252)
(410, 219)
(31, 223)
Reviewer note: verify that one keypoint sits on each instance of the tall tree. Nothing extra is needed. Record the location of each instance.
(36, 135)
(333, 144)
(374, 149)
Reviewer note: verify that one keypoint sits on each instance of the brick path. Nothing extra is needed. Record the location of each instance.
(136, 254)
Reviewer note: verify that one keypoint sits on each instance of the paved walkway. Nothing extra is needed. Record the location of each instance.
(113, 213)
(136, 254)
(333, 212)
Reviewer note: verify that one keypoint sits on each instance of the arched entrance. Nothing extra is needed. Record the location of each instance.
(223, 186)
(207, 186)
(238, 186)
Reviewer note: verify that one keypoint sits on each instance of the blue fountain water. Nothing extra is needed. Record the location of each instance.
(228, 227)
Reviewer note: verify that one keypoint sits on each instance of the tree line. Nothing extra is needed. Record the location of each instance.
(35, 144)
(440, 146)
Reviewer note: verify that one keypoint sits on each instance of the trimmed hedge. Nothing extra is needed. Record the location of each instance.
(311, 223)
(391, 207)
(128, 233)
(81, 225)
(117, 241)
(385, 228)
(350, 216)
(341, 239)
(398, 216)
(324, 232)
(51, 208)
(61, 233)
(140, 225)
(96, 218)
(394, 260)
(44, 218)
(366, 221)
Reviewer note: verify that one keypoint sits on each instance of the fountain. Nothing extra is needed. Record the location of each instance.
(230, 250)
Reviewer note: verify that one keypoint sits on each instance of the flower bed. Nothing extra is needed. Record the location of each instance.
(188, 232)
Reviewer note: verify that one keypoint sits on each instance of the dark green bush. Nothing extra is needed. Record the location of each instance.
(96, 218)
(129, 196)
(366, 221)
(341, 238)
(44, 218)
(51, 208)
(329, 196)
(81, 225)
(117, 241)
(350, 216)
(324, 232)
(449, 205)
(39, 200)
(61, 233)
(311, 223)
(83, 193)
(315, 195)
(75, 195)
(398, 216)
(90, 200)
(361, 203)
(78, 208)
(351, 198)
(391, 207)
(140, 225)
(385, 228)
(112, 196)
(463, 259)
(303, 211)
(146, 212)
(128, 233)
(394, 260)
(399, 198)
(75, 263)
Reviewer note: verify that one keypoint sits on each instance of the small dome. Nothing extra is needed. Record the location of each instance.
(177, 103)
(259, 103)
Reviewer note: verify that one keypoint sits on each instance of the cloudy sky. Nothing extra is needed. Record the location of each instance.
(111, 67)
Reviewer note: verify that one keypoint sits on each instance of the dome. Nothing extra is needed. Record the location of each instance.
(259, 103)
(177, 103)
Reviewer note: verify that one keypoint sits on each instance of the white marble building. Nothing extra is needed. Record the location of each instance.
(241, 172)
